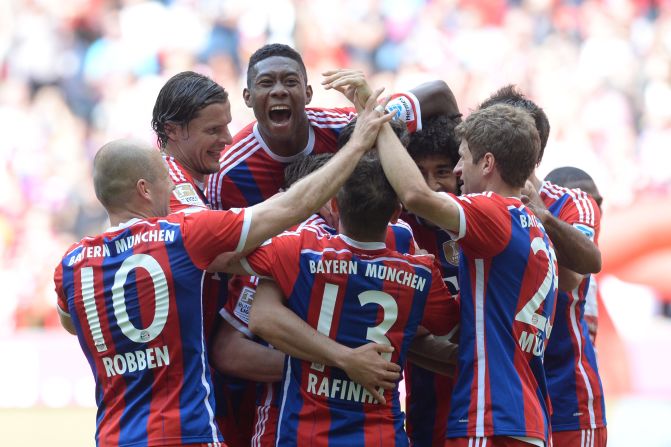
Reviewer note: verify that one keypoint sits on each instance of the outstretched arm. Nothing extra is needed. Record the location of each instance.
(271, 320)
(307, 195)
(409, 184)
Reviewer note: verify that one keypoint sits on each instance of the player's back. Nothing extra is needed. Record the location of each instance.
(507, 279)
(134, 297)
(355, 293)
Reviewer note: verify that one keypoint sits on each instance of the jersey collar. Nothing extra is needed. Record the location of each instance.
(306, 151)
(369, 246)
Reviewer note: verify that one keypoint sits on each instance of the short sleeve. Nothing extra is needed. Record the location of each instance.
(62, 303)
(486, 226)
(582, 212)
(405, 106)
(272, 258)
(185, 199)
(207, 234)
(236, 310)
(441, 312)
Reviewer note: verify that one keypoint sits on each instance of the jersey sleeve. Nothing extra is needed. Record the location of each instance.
(583, 213)
(400, 237)
(237, 307)
(61, 303)
(185, 199)
(485, 224)
(208, 234)
(271, 259)
(405, 106)
(441, 312)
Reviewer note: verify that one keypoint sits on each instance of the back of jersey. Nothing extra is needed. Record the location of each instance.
(355, 293)
(133, 294)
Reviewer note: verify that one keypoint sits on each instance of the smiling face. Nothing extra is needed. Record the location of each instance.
(278, 93)
(197, 144)
(438, 173)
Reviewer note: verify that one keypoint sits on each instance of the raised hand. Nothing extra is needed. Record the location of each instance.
(349, 82)
(366, 366)
(370, 120)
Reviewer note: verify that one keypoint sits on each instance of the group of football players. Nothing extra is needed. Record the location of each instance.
(274, 287)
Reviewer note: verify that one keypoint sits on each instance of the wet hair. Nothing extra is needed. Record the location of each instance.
(271, 50)
(399, 127)
(572, 177)
(367, 201)
(437, 138)
(180, 100)
(118, 166)
(303, 167)
(512, 96)
(509, 134)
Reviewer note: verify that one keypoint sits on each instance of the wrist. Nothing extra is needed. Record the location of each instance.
(341, 356)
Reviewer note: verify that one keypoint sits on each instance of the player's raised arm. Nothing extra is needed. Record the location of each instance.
(271, 320)
(309, 194)
(408, 182)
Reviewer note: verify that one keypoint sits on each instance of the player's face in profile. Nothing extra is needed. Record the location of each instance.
(204, 137)
(467, 171)
(278, 94)
(438, 173)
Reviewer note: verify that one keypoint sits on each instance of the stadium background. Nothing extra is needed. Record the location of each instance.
(76, 73)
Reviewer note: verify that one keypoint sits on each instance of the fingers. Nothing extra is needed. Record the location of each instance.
(376, 394)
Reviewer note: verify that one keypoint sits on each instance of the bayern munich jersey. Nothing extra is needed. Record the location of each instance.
(249, 172)
(508, 288)
(426, 403)
(570, 361)
(355, 293)
(236, 313)
(134, 296)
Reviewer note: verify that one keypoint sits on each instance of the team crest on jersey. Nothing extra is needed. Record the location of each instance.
(187, 195)
(451, 252)
(244, 304)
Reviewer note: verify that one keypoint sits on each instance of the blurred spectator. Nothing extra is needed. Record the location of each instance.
(76, 74)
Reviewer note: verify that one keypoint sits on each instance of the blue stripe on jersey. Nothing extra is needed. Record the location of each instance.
(403, 239)
(422, 411)
(244, 180)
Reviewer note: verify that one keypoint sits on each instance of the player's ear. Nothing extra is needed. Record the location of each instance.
(143, 189)
(247, 96)
(397, 213)
(488, 163)
(308, 94)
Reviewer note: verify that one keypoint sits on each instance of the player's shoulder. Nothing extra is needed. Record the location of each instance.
(245, 143)
(329, 117)
(486, 199)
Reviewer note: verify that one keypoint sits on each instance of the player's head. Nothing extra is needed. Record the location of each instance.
(304, 166)
(128, 175)
(499, 140)
(277, 90)
(399, 127)
(512, 96)
(571, 177)
(367, 202)
(435, 149)
(191, 117)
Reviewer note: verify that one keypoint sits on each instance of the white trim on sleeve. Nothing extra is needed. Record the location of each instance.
(246, 224)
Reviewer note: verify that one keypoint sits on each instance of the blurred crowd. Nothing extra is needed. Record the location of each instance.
(75, 74)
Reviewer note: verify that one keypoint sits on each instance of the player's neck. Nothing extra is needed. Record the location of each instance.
(183, 163)
(118, 217)
(363, 237)
(290, 145)
(496, 184)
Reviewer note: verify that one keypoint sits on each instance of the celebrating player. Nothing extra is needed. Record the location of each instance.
(507, 276)
(353, 289)
(572, 220)
(132, 294)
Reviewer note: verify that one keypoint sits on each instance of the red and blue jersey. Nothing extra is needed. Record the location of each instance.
(355, 293)
(134, 296)
(570, 361)
(426, 404)
(250, 172)
(236, 313)
(508, 289)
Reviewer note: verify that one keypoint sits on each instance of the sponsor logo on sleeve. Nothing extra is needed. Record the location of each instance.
(187, 195)
(587, 231)
(401, 108)
(244, 304)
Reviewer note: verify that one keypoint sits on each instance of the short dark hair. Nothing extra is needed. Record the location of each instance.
(572, 177)
(367, 200)
(304, 166)
(510, 95)
(399, 127)
(181, 98)
(270, 50)
(509, 134)
(437, 138)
